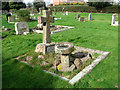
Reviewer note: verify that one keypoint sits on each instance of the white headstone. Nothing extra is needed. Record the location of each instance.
(113, 18)
(66, 12)
(90, 17)
(21, 28)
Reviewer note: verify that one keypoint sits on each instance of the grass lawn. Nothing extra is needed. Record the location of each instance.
(96, 34)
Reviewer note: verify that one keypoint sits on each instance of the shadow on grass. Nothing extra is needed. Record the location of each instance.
(19, 75)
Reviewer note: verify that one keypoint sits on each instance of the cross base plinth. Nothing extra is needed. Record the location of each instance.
(45, 48)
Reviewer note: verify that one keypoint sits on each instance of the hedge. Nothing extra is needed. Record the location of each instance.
(23, 15)
(74, 8)
(111, 9)
(85, 8)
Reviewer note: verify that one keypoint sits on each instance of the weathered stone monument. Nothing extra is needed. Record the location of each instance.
(90, 17)
(11, 19)
(81, 19)
(21, 28)
(114, 22)
(40, 11)
(65, 49)
(46, 46)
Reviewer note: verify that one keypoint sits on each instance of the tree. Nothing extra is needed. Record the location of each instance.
(5, 6)
(16, 5)
(40, 4)
(29, 5)
(99, 5)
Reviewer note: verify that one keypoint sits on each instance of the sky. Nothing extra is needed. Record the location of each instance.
(51, 1)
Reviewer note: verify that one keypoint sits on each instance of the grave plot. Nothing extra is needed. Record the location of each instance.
(64, 64)
(63, 59)
(53, 29)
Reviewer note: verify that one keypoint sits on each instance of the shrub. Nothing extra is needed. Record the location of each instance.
(111, 9)
(34, 10)
(23, 15)
(80, 3)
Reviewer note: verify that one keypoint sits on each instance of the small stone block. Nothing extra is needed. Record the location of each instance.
(45, 48)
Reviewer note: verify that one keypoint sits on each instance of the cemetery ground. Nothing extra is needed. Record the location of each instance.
(97, 34)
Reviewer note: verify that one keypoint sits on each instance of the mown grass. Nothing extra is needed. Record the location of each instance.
(96, 34)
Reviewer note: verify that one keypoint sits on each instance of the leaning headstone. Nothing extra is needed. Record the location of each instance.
(90, 17)
(66, 12)
(81, 19)
(21, 28)
(11, 19)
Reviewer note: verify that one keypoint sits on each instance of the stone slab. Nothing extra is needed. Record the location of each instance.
(21, 27)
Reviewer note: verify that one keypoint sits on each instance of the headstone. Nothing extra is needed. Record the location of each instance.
(8, 15)
(90, 17)
(33, 18)
(114, 22)
(78, 16)
(40, 11)
(66, 12)
(21, 28)
(46, 46)
(11, 19)
(113, 18)
(81, 19)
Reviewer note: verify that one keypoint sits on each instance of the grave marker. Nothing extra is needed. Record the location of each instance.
(40, 11)
(81, 19)
(78, 16)
(114, 22)
(21, 28)
(46, 46)
(66, 12)
(90, 17)
(113, 18)
(11, 19)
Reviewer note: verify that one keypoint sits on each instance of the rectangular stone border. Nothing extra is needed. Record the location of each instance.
(53, 32)
(86, 70)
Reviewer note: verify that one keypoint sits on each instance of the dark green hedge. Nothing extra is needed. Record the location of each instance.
(84, 8)
(111, 9)
(74, 8)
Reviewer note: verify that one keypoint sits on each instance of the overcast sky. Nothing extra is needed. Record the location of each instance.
(51, 1)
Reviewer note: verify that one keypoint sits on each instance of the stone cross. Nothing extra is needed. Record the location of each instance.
(113, 18)
(46, 19)
(90, 17)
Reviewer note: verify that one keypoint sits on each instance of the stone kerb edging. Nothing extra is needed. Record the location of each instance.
(53, 32)
(62, 29)
(90, 67)
(86, 70)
